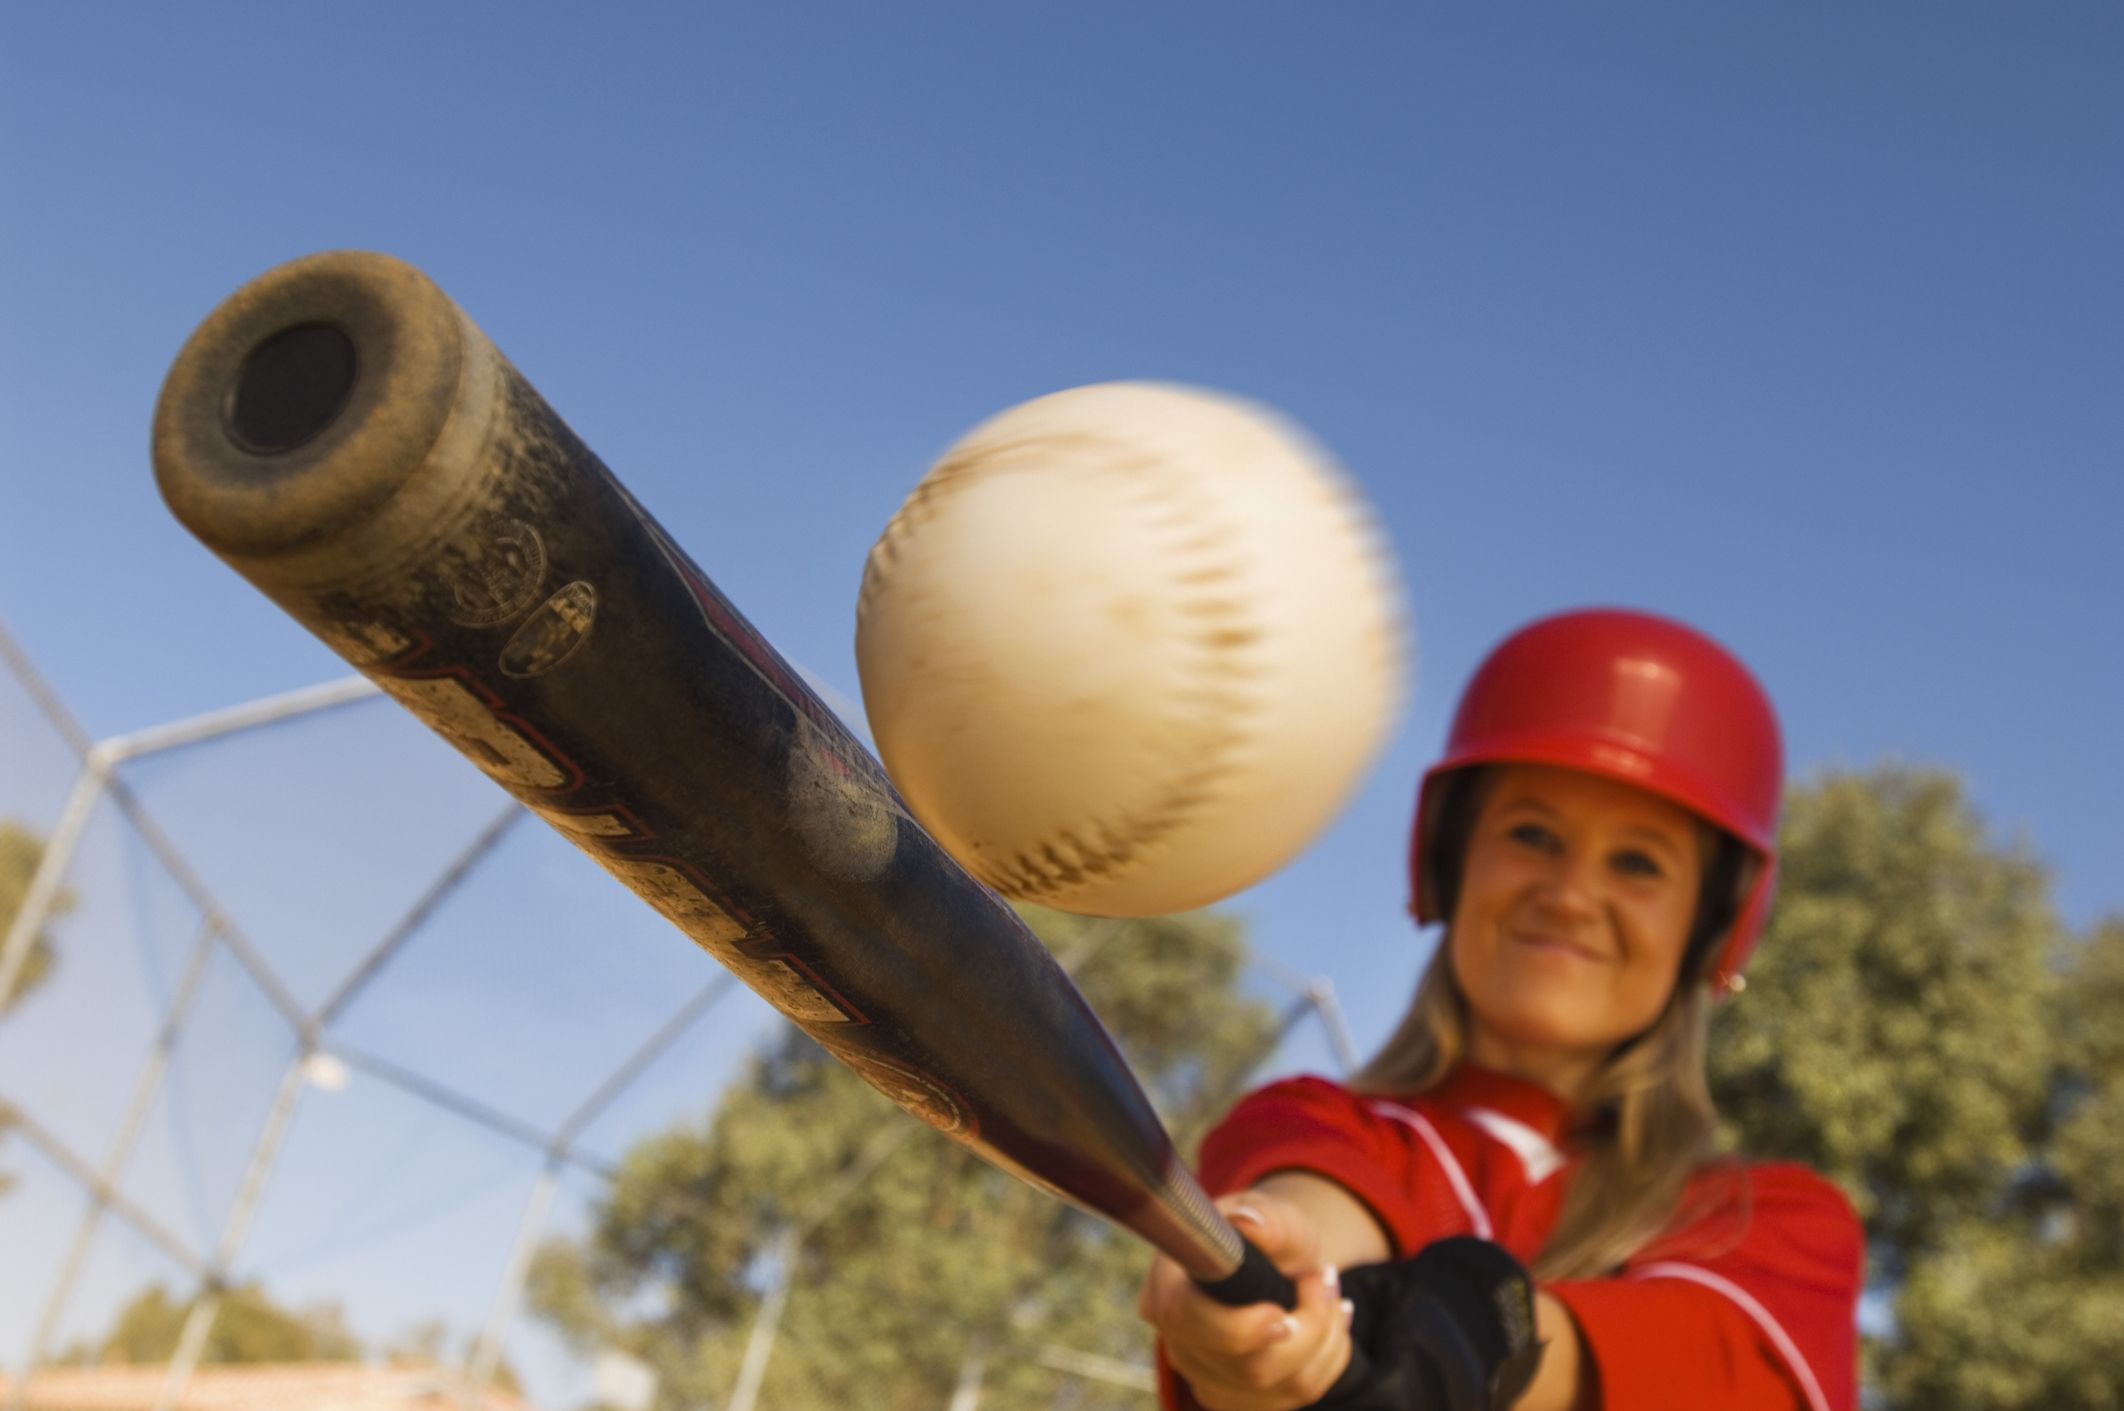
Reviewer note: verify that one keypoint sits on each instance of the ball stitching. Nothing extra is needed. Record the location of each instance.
(1219, 652)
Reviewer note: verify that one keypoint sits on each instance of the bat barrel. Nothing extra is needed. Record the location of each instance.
(343, 436)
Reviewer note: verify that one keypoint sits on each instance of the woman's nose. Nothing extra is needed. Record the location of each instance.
(1572, 886)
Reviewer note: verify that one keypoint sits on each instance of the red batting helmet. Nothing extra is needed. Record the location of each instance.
(1636, 698)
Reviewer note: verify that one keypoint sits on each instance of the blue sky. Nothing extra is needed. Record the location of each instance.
(1802, 323)
(1803, 326)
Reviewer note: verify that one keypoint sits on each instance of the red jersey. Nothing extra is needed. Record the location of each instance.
(1748, 1304)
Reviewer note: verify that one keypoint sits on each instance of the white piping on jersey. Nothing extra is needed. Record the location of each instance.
(1760, 1315)
(1538, 1156)
(1512, 1134)
(1478, 1218)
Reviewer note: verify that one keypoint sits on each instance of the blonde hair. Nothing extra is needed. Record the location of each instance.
(1650, 1122)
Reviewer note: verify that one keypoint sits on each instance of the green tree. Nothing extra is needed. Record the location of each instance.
(248, 1328)
(916, 1257)
(427, 1342)
(2026, 1309)
(20, 852)
(1919, 1027)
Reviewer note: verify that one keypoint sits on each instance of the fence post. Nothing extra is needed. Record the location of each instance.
(43, 891)
(759, 1346)
(200, 1321)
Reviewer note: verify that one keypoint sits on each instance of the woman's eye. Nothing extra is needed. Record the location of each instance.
(1533, 835)
(1639, 864)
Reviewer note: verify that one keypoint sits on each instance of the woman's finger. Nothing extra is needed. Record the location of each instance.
(1276, 1227)
(1185, 1316)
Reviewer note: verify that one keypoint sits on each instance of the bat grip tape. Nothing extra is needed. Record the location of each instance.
(1254, 1281)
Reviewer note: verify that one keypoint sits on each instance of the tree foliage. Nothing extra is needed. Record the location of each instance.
(249, 1327)
(1919, 1027)
(20, 852)
(914, 1260)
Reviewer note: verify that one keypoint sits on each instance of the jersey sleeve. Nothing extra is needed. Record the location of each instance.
(1753, 1310)
(1312, 1125)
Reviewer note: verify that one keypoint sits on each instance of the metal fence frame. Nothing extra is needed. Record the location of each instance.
(101, 778)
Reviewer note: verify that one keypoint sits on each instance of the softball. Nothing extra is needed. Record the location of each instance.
(1128, 648)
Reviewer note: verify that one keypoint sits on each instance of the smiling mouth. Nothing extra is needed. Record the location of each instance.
(1556, 945)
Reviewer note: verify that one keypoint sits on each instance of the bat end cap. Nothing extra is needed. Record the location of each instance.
(291, 388)
(310, 401)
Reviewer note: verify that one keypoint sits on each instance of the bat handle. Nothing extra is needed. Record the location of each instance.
(1254, 1281)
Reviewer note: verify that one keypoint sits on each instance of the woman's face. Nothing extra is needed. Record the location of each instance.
(1575, 904)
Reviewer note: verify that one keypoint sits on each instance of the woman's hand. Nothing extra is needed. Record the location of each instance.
(1260, 1358)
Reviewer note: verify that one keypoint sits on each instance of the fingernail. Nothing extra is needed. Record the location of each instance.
(1286, 1327)
(1332, 1277)
(1246, 1214)
(1349, 1313)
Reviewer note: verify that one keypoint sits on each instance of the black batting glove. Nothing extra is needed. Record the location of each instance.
(1450, 1330)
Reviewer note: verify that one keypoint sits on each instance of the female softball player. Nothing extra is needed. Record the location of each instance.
(1521, 1189)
